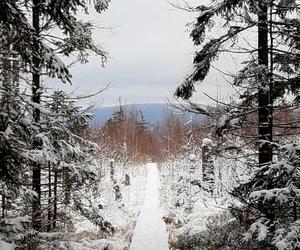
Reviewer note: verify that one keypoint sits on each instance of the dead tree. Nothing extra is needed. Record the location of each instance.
(208, 170)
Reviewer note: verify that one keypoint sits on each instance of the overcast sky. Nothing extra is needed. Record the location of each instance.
(150, 53)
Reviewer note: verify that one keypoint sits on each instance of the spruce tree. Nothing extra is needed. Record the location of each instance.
(270, 73)
(28, 25)
(69, 156)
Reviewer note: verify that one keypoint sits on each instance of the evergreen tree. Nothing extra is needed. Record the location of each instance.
(66, 152)
(15, 133)
(26, 142)
(115, 128)
(270, 73)
(142, 124)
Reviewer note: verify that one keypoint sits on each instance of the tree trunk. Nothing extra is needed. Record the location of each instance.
(49, 199)
(67, 186)
(54, 200)
(36, 98)
(265, 120)
(112, 171)
(265, 100)
(208, 170)
(127, 180)
(3, 205)
(5, 106)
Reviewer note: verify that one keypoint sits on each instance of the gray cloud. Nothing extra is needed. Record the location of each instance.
(150, 53)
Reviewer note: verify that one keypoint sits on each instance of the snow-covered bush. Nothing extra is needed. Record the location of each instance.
(222, 232)
(190, 206)
(272, 201)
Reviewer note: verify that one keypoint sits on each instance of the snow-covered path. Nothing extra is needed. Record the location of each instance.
(150, 232)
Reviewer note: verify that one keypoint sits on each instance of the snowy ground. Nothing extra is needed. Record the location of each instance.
(122, 214)
(150, 232)
(155, 209)
(188, 208)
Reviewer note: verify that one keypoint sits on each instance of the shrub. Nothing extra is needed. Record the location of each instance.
(223, 232)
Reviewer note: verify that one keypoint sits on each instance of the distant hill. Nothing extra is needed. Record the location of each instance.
(153, 112)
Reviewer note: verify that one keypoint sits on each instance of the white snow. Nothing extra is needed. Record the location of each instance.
(6, 246)
(207, 142)
(150, 232)
(192, 157)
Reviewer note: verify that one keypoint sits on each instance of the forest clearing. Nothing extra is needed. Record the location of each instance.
(135, 125)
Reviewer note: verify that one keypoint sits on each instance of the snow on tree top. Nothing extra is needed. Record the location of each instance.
(192, 157)
(207, 142)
